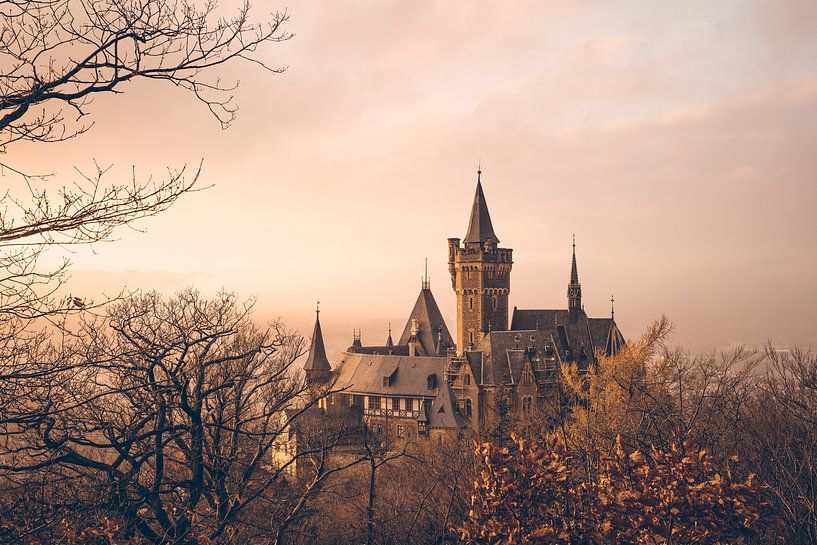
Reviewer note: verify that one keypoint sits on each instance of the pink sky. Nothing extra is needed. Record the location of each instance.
(677, 140)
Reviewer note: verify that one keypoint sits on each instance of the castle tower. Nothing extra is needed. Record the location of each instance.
(574, 290)
(317, 366)
(481, 277)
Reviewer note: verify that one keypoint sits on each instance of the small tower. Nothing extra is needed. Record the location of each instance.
(481, 277)
(389, 341)
(574, 290)
(317, 366)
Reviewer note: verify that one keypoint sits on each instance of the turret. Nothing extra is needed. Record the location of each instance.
(317, 366)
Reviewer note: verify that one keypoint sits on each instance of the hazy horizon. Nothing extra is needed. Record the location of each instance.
(675, 140)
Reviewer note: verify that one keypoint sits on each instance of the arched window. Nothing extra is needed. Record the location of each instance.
(468, 407)
(527, 404)
(471, 303)
(471, 336)
(496, 302)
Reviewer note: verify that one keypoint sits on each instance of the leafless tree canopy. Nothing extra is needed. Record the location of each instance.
(168, 415)
(55, 57)
(58, 54)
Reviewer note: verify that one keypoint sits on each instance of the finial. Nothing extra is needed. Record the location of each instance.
(426, 280)
(479, 169)
(574, 243)
(612, 307)
(318, 307)
(389, 329)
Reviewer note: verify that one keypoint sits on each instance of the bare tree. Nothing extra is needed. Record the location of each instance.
(61, 53)
(172, 420)
(56, 56)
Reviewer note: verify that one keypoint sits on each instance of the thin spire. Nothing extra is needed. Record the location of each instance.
(612, 307)
(317, 360)
(389, 341)
(480, 228)
(574, 289)
(574, 272)
(426, 279)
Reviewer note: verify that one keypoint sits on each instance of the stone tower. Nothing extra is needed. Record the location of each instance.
(481, 277)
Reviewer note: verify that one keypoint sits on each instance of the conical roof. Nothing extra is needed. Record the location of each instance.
(444, 411)
(317, 360)
(430, 322)
(480, 228)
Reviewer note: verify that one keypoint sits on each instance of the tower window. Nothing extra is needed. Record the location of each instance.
(468, 408)
(471, 303)
(527, 404)
(496, 302)
(471, 337)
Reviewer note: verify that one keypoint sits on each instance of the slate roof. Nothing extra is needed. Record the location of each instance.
(430, 320)
(541, 338)
(363, 374)
(588, 333)
(445, 412)
(317, 360)
(537, 319)
(502, 355)
(480, 228)
(396, 350)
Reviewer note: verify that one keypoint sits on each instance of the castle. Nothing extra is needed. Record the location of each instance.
(428, 384)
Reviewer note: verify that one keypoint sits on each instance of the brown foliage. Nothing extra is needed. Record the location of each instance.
(530, 494)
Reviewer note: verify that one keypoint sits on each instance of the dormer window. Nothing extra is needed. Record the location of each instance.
(431, 381)
(386, 381)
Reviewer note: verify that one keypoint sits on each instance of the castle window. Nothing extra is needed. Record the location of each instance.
(466, 378)
(374, 402)
(379, 429)
(400, 431)
(422, 429)
(471, 303)
(386, 381)
(526, 378)
(468, 408)
(527, 404)
(496, 302)
(409, 404)
(471, 337)
(432, 381)
(395, 404)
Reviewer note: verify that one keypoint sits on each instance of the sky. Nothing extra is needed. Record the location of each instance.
(675, 139)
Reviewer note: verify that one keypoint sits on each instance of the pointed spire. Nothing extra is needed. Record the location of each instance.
(574, 289)
(317, 362)
(389, 341)
(426, 279)
(480, 229)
